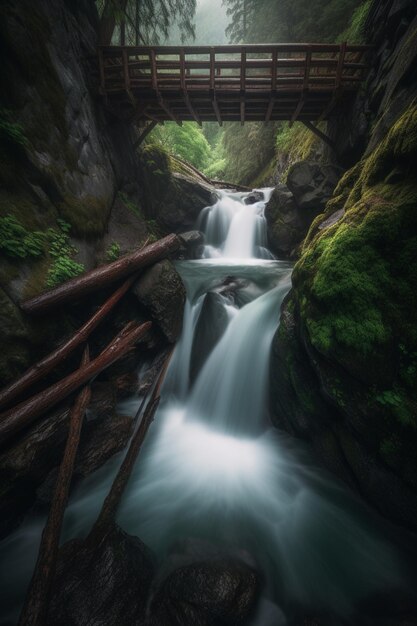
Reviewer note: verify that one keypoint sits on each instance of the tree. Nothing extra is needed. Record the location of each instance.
(186, 141)
(145, 21)
(242, 13)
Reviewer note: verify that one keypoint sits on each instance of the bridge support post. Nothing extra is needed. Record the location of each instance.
(320, 135)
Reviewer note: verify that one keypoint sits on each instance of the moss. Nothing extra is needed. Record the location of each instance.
(355, 281)
(88, 216)
(113, 251)
(152, 226)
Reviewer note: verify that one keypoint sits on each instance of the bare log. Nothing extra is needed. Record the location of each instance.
(17, 418)
(111, 503)
(37, 598)
(48, 363)
(102, 276)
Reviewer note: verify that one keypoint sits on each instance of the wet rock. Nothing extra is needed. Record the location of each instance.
(212, 323)
(193, 241)
(312, 184)
(104, 584)
(216, 591)
(149, 375)
(28, 467)
(161, 291)
(285, 225)
(255, 196)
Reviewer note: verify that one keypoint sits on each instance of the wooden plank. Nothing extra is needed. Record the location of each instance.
(217, 111)
(184, 89)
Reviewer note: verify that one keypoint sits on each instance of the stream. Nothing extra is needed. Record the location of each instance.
(214, 469)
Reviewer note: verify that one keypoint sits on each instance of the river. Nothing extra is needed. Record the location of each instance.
(214, 469)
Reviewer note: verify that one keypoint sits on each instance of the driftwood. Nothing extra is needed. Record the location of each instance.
(48, 363)
(102, 276)
(111, 503)
(37, 598)
(17, 418)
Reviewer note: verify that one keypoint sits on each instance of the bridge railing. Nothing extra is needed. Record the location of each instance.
(250, 67)
(158, 75)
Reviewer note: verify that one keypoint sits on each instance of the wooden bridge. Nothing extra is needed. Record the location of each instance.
(243, 83)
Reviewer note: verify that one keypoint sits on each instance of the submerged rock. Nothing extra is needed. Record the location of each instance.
(102, 584)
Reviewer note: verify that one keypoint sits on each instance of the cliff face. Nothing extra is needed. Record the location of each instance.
(344, 358)
(74, 193)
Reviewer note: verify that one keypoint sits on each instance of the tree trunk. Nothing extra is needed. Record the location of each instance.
(14, 420)
(108, 20)
(37, 599)
(48, 363)
(102, 276)
(111, 503)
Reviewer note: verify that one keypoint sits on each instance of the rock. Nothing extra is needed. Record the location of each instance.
(312, 184)
(284, 223)
(255, 196)
(193, 241)
(217, 591)
(104, 584)
(161, 291)
(212, 323)
(28, 467)
(149, 375)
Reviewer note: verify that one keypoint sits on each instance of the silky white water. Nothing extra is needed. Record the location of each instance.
(214, 469)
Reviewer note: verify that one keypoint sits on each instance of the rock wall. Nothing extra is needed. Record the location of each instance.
(344, 357)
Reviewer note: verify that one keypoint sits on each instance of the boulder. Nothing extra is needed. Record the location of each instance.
(284, 223)
(212, 323)
(102, 584)
(161, 291)
(193, 242)
(28, 467)
(312, 184)
(255, 196)
(221, 590)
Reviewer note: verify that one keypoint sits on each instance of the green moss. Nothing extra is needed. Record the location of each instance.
(88, 216)
(355, 281)
(16, 241)
(113, 251)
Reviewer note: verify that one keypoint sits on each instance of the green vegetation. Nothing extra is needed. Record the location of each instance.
(151, 18)
(54, 244)
(11, 131)
(187, 142)
(355, 32)
(355, 281)
(16, 241)
(113, 251)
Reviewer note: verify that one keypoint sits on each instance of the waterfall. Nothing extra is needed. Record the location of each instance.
(212, 466)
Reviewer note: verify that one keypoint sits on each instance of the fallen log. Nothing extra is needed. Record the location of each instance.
(17, 418)
(102, 276)
(227, 185)
(48, 363)
(37, 598)
(108, 511)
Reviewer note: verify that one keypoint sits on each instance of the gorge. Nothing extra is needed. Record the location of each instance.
(277, 484)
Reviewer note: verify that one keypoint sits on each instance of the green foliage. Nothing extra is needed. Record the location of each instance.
(187, 142)
(11, 131)
(113, 251)
(152, 19)
(355, 32)
(62, 269)
(54, 244)
(289, 20)
(61, 252)
(16, 241)
(248, 149)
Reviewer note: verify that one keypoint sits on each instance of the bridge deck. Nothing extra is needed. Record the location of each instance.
(230, 83)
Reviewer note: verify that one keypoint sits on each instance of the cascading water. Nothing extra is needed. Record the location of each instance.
(214, 469)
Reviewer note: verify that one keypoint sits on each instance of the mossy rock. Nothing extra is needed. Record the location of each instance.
(355, 298)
